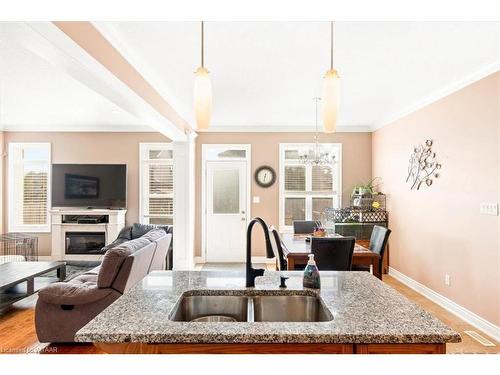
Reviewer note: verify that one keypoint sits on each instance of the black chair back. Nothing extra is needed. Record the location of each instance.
(378, 241)
(333, 254)
(304, 226)
(277, 246)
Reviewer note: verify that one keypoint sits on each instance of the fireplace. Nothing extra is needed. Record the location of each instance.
(85, 242)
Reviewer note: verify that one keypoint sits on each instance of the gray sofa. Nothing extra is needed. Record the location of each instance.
(137, 230)
(65, 307)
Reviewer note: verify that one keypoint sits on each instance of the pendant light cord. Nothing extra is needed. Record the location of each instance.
(316, 140)
(202, 44)
(331, 45)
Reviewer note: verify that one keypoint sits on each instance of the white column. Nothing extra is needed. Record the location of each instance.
(184, 183)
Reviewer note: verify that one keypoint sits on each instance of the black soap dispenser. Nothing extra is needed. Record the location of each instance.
(311, 274)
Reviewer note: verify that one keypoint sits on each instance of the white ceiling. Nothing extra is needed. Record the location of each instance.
(35, 95)
(264, 74)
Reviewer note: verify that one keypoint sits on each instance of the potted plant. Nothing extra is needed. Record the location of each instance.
(366, 190)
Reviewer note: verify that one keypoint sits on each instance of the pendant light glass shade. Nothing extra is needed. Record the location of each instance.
(202, 98)
(331, 100)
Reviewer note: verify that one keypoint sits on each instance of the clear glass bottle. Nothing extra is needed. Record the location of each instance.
(311, 274)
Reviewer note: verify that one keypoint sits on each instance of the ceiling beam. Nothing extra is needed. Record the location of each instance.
(78, 49)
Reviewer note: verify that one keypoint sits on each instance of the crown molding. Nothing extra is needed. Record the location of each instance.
(96, 128)
(280, 129)
(440, 94)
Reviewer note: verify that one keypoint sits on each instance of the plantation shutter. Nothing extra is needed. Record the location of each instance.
(34, 197)
(295, 178)
(322, 179)
(157, 171)
(29, 187)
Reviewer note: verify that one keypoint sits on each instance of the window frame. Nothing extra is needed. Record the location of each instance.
(308, 194)
(144, 149)
(13, 206)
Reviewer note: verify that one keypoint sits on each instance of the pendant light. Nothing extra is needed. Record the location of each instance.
(331, 93)
(202, 91)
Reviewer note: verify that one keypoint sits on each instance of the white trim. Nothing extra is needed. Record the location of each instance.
(184, 204)
(94, 128)
(439, 94)
(473, 319)
(281, 129)
(12, 225)
(205, 147)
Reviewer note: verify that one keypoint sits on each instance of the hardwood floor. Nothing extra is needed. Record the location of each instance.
(468, 344)
(17, 329)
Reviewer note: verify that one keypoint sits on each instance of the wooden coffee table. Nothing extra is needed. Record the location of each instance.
(19, 280)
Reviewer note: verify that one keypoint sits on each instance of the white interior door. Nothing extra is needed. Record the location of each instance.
(226, 217)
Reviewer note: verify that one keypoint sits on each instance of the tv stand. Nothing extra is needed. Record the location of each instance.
(91, 220)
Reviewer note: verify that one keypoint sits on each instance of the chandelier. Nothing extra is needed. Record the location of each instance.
(317, 156)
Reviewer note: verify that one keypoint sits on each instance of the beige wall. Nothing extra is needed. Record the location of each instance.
(438, 230)
(70, 147)
(356, 168)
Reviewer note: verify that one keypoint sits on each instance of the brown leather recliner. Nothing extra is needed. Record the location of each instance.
(65, 307)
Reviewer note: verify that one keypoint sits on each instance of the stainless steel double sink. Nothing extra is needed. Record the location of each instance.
(251, 308)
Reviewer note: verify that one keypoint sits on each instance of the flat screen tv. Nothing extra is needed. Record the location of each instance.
(89, 185)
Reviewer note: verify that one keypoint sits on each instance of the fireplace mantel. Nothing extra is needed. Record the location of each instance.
(115, 222)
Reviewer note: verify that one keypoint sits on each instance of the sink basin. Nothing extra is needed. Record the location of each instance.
(189, 308)
(218, 307)
(290, 308)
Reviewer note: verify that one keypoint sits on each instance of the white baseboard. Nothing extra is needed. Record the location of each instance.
(201, 260)
(468, 316)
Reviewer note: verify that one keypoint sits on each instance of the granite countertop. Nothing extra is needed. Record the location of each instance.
(365, 310)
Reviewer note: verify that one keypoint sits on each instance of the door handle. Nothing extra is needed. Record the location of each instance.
(243, 212)
(243, 219)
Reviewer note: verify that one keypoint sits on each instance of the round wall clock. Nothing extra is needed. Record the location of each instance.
(265, 176)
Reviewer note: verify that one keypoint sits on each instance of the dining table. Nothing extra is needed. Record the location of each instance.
(296, 249)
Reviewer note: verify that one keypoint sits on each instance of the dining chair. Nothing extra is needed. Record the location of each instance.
(333, 254)
(304, 226)
(378, 243)
(277, 246)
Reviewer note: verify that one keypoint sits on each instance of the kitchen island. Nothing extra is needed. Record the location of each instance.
(362, 315)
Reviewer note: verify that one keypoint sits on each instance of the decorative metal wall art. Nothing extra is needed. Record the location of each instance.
(423, 167)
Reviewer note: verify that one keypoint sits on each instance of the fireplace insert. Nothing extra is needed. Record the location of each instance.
(85, 242)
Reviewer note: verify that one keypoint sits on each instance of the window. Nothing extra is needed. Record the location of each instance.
(306, 190)
(157, 183)
(29, 187)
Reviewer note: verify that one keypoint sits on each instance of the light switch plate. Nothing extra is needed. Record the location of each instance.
(447, 280)
(488, 209)
(256, 199)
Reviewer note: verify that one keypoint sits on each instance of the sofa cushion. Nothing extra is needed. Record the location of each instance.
(113, 244)
(154, 235)
(79, 291)
(114, 258)
(94, 271)
(139, 230)
(124, 235)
